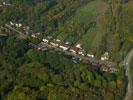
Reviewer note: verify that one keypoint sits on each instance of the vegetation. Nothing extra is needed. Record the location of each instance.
(131, 64)
(28, 74)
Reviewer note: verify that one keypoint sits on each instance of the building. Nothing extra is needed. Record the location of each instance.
(105, 56)
(45, 39)
(38, 33)
(67, 43)
(54, 43)
(33, 36)
(79, 46)
(81, 52)
(90, 54)
(73, 50)
(64, 46)
(11, 23)
(104, 68)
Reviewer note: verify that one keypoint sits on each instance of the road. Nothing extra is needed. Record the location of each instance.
(127, 62)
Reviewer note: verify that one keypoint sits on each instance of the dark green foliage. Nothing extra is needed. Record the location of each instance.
(28, 74)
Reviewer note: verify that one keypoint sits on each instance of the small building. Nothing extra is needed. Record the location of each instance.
(67, 43)
(54, 43)
(11, 23)
(33, 36)
(105, 56)
(64, 46)
(81, 52)
(73, 50)
(104, 68)
(90, 54)
(79, 46)
(58, 40)
(19, 25)
(45, 39)
(38, 33)
(4, 3)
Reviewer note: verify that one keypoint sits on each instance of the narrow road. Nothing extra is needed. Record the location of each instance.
(127, 62)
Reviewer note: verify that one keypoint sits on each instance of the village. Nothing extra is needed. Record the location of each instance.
(76, 53)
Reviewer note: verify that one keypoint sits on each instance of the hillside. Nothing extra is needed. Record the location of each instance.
(30, 73)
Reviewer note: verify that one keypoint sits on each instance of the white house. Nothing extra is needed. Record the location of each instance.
(73, 50)
(79, 46)
(4, 3)
(67, 43)
(58, 40)
(38, 33)
(63, 46)
(90, 54)
(81, 52)
(19, 25)
(105, 56)
(11, 23)
(54, 43)
(33, 36)
(45, 39)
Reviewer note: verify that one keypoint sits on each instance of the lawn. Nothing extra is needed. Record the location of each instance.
(93, 11)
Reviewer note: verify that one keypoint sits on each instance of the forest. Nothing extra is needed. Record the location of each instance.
(100, 25)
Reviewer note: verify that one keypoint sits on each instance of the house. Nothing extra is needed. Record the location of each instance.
(67, 43)
(54, 43)
(38, 33)
(33, 36)
(64, 46)
(11, 23)
(73, 50)
(4, 3)
(79, 46)
(58, 40)
(19, 25)
(81, 52)
(45, 39)
(105, 56)
(90, 54)
(104, 68)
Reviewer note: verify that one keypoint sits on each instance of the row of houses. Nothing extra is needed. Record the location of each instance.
(77, 49)
(20, 26)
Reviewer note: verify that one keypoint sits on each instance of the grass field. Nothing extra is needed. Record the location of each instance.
(92, 11)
